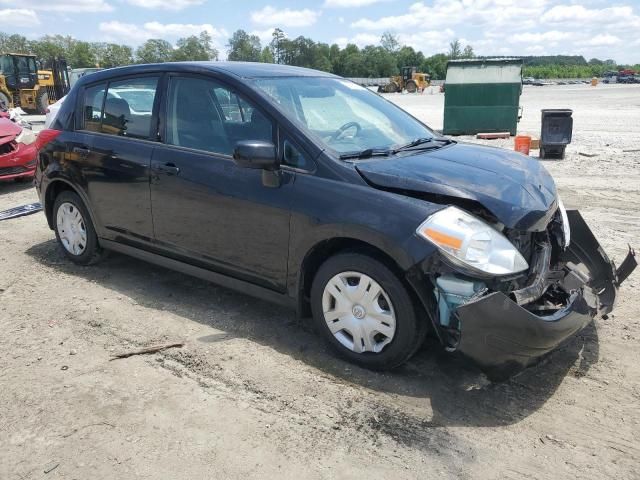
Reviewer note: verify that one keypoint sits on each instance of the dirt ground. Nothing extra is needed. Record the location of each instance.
(254, 394)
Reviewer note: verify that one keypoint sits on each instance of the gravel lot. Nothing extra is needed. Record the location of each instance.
(254, 394)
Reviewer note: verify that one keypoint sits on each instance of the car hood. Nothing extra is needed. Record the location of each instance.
(8, 130)
(515, 188)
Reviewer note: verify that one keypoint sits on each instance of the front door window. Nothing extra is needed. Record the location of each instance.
(204, 115)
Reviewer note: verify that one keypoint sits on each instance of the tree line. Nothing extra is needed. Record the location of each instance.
(382, 60)
(81, 54)
(375, 61)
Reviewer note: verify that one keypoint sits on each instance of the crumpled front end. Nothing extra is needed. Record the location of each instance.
(507, 325)
(17, 151)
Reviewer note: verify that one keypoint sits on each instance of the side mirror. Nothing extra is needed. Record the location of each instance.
(256, 154)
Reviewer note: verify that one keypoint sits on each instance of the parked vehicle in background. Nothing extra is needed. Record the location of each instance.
(409, 79)
(17, 151)
(51, 112)
(24, 85)
(630, 78)
(77, 73)
(303, 188)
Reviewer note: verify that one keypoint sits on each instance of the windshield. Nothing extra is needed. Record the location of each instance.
(26, 65)
(6, 65)
(344, 116)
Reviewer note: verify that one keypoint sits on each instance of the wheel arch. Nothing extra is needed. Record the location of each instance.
(324, 249)
(55, 188)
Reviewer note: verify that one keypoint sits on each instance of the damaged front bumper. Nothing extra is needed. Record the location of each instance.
(502, 333)
(17, 159)
(19, 163)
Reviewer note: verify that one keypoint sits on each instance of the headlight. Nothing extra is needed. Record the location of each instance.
(566, 230)
(471, 243)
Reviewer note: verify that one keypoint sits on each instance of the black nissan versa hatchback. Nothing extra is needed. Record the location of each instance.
(304, 188)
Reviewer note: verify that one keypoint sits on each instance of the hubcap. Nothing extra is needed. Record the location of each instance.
(71, 229)
(358, 312)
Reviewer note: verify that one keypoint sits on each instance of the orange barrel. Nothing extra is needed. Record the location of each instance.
(594, 82)
(522, 144)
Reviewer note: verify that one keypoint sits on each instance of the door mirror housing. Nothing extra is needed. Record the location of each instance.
(256, 154)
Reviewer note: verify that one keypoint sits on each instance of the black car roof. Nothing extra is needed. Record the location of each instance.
(237, 69)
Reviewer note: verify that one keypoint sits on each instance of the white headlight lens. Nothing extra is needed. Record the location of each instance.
(471, 242)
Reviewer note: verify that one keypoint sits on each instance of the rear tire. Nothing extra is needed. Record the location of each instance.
(74, 229)
(42, 101)
(411, 86)
(376, 331)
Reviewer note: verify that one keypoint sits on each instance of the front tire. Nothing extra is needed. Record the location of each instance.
(74, 229)
(363, 310)
(392, 87)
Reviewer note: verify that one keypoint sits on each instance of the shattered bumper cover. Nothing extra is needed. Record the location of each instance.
(504, 337)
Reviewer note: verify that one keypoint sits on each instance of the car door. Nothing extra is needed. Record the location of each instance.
(118, 119)
(206, 209)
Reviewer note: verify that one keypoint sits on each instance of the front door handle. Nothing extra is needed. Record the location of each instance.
(168, 168)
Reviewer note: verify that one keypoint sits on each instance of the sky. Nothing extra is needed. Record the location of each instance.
(593, 28)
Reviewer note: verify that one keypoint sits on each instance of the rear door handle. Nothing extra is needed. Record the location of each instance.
(168, 168)
(84, 152)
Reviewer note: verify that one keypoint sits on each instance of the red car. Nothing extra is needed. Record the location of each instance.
(17, 151)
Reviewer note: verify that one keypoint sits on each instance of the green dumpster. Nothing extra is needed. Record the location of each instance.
(482, 96)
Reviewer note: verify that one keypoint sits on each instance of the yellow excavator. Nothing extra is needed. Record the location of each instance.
(23, 85)
(409, 80)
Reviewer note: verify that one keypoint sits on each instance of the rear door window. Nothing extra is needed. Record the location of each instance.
(128, 107)
(92, 107)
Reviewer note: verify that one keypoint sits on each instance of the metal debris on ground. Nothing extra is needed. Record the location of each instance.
(21, 211)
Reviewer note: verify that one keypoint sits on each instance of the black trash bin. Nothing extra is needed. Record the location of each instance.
(557, 128)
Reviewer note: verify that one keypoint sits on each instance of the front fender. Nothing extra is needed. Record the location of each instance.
(338, 210)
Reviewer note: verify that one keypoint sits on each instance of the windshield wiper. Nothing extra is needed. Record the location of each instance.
(413, 143)
(384, 152)
(367, 153)
(422, 141)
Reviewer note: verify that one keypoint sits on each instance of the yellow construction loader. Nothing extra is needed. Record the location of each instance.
(410, 80)
(23, 85)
